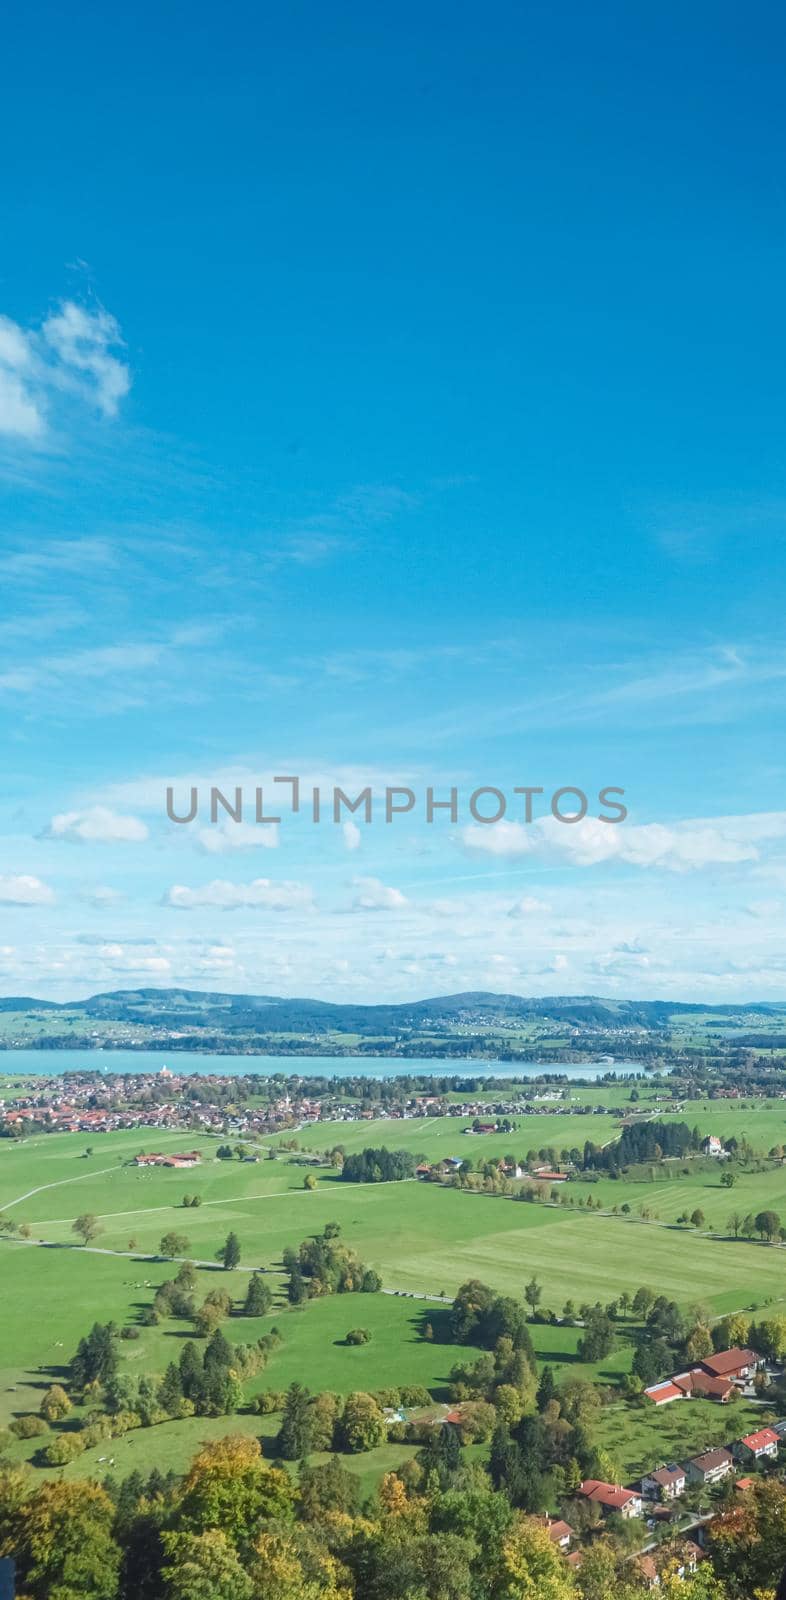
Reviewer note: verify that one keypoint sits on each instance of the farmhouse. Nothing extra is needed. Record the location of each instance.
(611, 1497)
(665, 1482)
(711, 1467)
(188, 1158)
(757, 1446)
(737, 1364)
(712, 1146)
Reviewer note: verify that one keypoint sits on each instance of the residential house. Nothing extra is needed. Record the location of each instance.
(611, 1497)
(559, 1532)
(711, 1467)
(648, 1572)
(712, 1146)
(665, 1483)
(758, 1446)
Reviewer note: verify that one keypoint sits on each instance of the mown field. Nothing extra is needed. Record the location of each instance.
(424, 1239)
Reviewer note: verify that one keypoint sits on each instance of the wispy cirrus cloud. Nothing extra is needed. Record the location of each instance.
(76, 354)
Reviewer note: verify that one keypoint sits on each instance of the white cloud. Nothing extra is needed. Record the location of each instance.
(224, 896)
(102, 895)
(220, 839)
(528, 906)
(23, 890)
(83, 342)
(19, 414)
(75, 352)
(351, 834)
(97, 825)
(373, 895)
(680, 847)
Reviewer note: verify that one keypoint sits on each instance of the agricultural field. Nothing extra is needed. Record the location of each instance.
(424, 1239)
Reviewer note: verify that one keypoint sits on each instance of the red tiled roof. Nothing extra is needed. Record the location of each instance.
(760, 1440)
(728, 1361)
(559, 1530)
(713, 1388)
(659, 1393)
(606, 1494)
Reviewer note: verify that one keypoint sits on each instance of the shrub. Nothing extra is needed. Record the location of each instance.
(29, 1427)
(66, 1447)
(129, 1333)
(358, 1336)
(55, 1404)
(268, 1401)
(415, 1394)
(124, 1421)
(95, 1433)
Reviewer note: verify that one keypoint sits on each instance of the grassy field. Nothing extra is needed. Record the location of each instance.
(423, 1238)
(54, 1295)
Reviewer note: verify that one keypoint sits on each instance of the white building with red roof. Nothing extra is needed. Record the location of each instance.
(758, 1446)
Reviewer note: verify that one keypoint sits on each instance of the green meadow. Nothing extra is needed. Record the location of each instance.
(423, 1238)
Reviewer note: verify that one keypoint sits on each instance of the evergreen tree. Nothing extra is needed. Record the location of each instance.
(294, 1434)
(229, 1254)
(170, 1390)
(258, 1297)
(547, 1388)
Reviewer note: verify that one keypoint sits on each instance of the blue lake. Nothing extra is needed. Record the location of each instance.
(47, 1062)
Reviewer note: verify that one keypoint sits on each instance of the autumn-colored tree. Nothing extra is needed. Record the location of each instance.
(529, 1567)
(292, 1566)
(55, 1404)
(204, 1565)
(232, 1488)
(87, 1226)
(173, 1245)
(748, 1543)
(699, 1343)
(65, 1547)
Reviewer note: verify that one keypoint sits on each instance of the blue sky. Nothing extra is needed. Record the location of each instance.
(393, 396)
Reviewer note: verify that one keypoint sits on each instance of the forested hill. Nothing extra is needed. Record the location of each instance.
(240, 1012)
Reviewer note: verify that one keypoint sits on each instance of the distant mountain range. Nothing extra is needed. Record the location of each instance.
(476, 1011)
